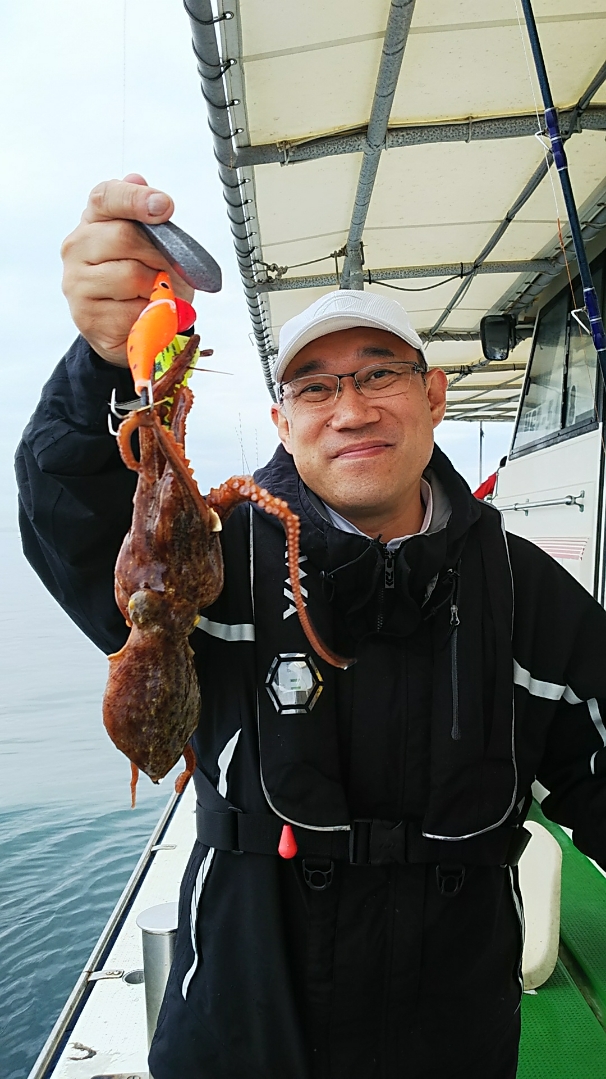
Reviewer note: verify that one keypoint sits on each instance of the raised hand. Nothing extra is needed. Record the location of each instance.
(110, 267)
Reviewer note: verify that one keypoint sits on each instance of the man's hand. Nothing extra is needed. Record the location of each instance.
(110, 267)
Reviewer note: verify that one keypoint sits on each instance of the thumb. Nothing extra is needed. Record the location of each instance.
(135, 178)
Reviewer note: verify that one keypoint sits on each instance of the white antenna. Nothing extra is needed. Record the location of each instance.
(245, 465)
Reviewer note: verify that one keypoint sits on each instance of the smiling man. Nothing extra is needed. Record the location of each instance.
(360, 437)
(389, 945)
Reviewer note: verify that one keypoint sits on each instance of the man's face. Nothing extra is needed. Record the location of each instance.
(361, 455)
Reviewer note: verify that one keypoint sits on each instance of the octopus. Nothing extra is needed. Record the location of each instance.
(170, 567)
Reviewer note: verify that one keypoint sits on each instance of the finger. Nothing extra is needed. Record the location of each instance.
(129, 201)
(126, 279)
(111, 241)
(106, 325)
(108, 241)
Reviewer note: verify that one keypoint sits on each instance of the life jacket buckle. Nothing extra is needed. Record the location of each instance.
(318, 874)
(450, 879)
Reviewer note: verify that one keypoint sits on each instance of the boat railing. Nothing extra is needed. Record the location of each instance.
(92, 971)
(568, 500)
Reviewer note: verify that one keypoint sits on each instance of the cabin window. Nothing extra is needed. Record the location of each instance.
(559, 396)
(580, 376)
(582, 364)
(541, 412)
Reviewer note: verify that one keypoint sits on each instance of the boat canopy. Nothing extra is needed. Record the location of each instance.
(398, 145)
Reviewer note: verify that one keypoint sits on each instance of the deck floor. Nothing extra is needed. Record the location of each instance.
(562, 1034)
(110, 1035)
(561, 1037)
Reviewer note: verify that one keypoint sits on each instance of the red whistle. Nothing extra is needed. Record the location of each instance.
(287, 847)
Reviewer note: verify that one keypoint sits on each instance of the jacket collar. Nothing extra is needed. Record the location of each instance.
(353, 566)
(455, 507)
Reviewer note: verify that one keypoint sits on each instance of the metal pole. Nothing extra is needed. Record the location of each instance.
(481, 447)
(550, 267)
(394, 43)
(212, 68)
(158, 927)
(561, 163)
(572, 121)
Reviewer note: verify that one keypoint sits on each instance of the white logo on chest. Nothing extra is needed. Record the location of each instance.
(291, 609)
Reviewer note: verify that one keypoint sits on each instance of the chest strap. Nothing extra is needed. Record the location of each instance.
(368, 842)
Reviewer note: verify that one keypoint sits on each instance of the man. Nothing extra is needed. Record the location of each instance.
(390, 945)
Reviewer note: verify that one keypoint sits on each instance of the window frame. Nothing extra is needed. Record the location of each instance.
(584, 426)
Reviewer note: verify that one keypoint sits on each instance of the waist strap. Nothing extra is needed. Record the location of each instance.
(368, 842)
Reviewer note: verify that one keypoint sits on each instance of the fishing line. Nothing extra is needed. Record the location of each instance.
(245, 464)
(122, 170)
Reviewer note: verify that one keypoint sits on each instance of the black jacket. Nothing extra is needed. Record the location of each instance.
(441, 726)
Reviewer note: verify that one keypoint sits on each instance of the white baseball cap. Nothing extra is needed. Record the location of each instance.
(342, 310)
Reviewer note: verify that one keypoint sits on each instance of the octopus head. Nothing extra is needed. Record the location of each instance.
(146, 608)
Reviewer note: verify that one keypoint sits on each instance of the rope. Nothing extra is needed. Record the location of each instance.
(333, 255)
(424, 288)
(279, 271)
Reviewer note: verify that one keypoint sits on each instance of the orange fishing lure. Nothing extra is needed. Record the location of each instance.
(164, 316)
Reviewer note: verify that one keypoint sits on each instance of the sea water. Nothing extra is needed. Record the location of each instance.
(68, 838)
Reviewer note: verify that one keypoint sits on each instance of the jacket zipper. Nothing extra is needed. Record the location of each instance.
(455, 730)
(388, 583)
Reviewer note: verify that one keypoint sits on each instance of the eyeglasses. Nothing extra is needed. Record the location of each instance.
(378, 380)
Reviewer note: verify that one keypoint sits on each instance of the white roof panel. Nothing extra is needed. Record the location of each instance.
(307, 71)
(335, 84)
(276, 26)
(482, 62)
(322, 192)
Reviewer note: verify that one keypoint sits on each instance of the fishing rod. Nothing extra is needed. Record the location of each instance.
(559, 156)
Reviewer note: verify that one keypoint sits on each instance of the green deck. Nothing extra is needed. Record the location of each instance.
(563, 1036)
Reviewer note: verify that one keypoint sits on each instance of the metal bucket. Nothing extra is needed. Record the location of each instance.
(158, 927)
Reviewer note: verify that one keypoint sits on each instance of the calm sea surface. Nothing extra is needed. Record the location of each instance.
(68, 839)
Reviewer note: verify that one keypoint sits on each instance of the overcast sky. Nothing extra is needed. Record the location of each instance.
(93, 91)
(83, 101)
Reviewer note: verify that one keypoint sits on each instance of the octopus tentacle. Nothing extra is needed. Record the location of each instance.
(190, 763)
(134, 776)
(165, 385)
(179, 463)
(150, 465)
(126, 431)
(181, 407)
(292, 527)
(243, 489)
